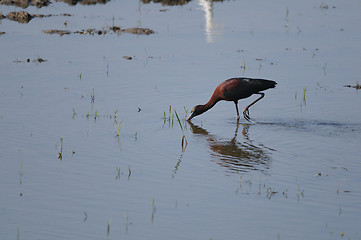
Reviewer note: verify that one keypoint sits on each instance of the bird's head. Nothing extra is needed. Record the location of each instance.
(194, 112)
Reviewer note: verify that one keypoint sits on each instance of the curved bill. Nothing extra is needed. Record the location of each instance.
(190, 117)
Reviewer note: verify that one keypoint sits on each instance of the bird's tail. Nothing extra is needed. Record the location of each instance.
(263, 84)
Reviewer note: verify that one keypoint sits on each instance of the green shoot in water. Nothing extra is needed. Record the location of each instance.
(118, 173)
(21, 172)
(304, 95)
(129, 173)
(115, 114)
(153, 210)
(108, 226)
(92, 96)
(126, 222)
(60, 156)
(170, 119)
(184, 140)
(186, 112)
(117, 128)
(180, 124)
(170, 112)
(74, 113)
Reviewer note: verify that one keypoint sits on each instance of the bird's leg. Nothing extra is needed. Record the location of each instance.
(246, 116)
(236, 103)
(246, 111)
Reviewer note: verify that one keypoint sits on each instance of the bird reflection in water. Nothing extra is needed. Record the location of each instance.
(236, 156)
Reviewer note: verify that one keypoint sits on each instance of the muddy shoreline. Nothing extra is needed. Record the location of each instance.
(43, 3)
(25, 17)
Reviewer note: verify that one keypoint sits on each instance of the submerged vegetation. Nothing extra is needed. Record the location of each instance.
(119, 172)
(170, 117)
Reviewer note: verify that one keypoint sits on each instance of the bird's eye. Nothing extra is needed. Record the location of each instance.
(192, 111)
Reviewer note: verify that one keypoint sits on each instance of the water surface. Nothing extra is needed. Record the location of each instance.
(292, 173)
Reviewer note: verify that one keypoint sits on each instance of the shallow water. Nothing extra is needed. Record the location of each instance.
(292, 173)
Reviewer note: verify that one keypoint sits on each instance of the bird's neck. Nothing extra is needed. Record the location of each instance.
(210, 103)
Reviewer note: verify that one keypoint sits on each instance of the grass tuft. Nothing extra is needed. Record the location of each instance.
(184, 139)
(129, 173)
(153, 210)
(304, 95)
(108, 226)
(60, 156)
(92, 96)
(180, 124)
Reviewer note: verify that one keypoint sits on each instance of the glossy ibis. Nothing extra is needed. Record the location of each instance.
(232, 90)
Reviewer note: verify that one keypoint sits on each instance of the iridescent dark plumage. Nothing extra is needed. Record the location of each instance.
(232, 90)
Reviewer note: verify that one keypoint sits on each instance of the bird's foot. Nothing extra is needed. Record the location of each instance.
(246, 114)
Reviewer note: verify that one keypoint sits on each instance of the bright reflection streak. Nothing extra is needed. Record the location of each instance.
(207, 6)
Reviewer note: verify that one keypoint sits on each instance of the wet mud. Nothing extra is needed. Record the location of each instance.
(172, 2)
(43, 3)
(24, 17)
(60, 32)
(167, 2)
(21, 17)
(25, 3)
(145, 31)
(36, 60)
(83, 2)
(92, 31)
